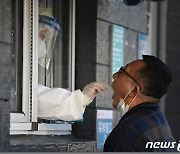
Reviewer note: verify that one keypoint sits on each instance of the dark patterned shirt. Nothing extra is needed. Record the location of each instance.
(143, 128)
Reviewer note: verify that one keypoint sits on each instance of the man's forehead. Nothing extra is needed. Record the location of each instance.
(135, 65)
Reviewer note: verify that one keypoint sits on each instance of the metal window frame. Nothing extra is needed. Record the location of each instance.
(44, 129)
(23, 123)
(72, 45)
(24, 116)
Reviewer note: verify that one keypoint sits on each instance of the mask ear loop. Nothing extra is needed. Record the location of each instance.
(128, 93)
(123, 105)
(132, 99)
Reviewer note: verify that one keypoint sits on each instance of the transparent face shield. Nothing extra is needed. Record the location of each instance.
(48, 30)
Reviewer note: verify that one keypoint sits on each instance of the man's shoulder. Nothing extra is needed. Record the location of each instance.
(140, 115)
(143, 120)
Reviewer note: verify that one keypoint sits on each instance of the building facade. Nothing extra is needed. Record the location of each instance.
(83, 53)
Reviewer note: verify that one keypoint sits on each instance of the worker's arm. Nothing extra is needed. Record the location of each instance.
(61, 104)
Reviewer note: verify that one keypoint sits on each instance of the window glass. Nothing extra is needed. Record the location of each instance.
(53, 73)
(53, 59)
(17, 47)
(53, 43)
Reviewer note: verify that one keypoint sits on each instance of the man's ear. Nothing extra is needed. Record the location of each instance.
(135, 91)
(138, 89)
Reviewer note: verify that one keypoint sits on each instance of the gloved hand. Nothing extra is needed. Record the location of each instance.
(91, 90)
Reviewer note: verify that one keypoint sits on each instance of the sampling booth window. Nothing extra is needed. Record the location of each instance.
(48, 30)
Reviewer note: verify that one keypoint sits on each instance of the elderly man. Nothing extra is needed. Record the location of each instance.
(138, 88)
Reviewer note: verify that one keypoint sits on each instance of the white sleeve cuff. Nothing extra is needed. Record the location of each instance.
(86, 100)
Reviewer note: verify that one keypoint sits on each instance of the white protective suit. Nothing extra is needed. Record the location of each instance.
(61, 104)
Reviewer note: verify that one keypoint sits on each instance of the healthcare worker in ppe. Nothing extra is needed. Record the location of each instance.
(59, 103)
(48, 30)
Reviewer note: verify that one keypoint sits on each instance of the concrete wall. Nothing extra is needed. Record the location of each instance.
(33, 143)
(134, 21)
(86, 62)
(94, 19)
(5, 72)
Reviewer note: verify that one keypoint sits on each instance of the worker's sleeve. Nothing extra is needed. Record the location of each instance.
(60, 104)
